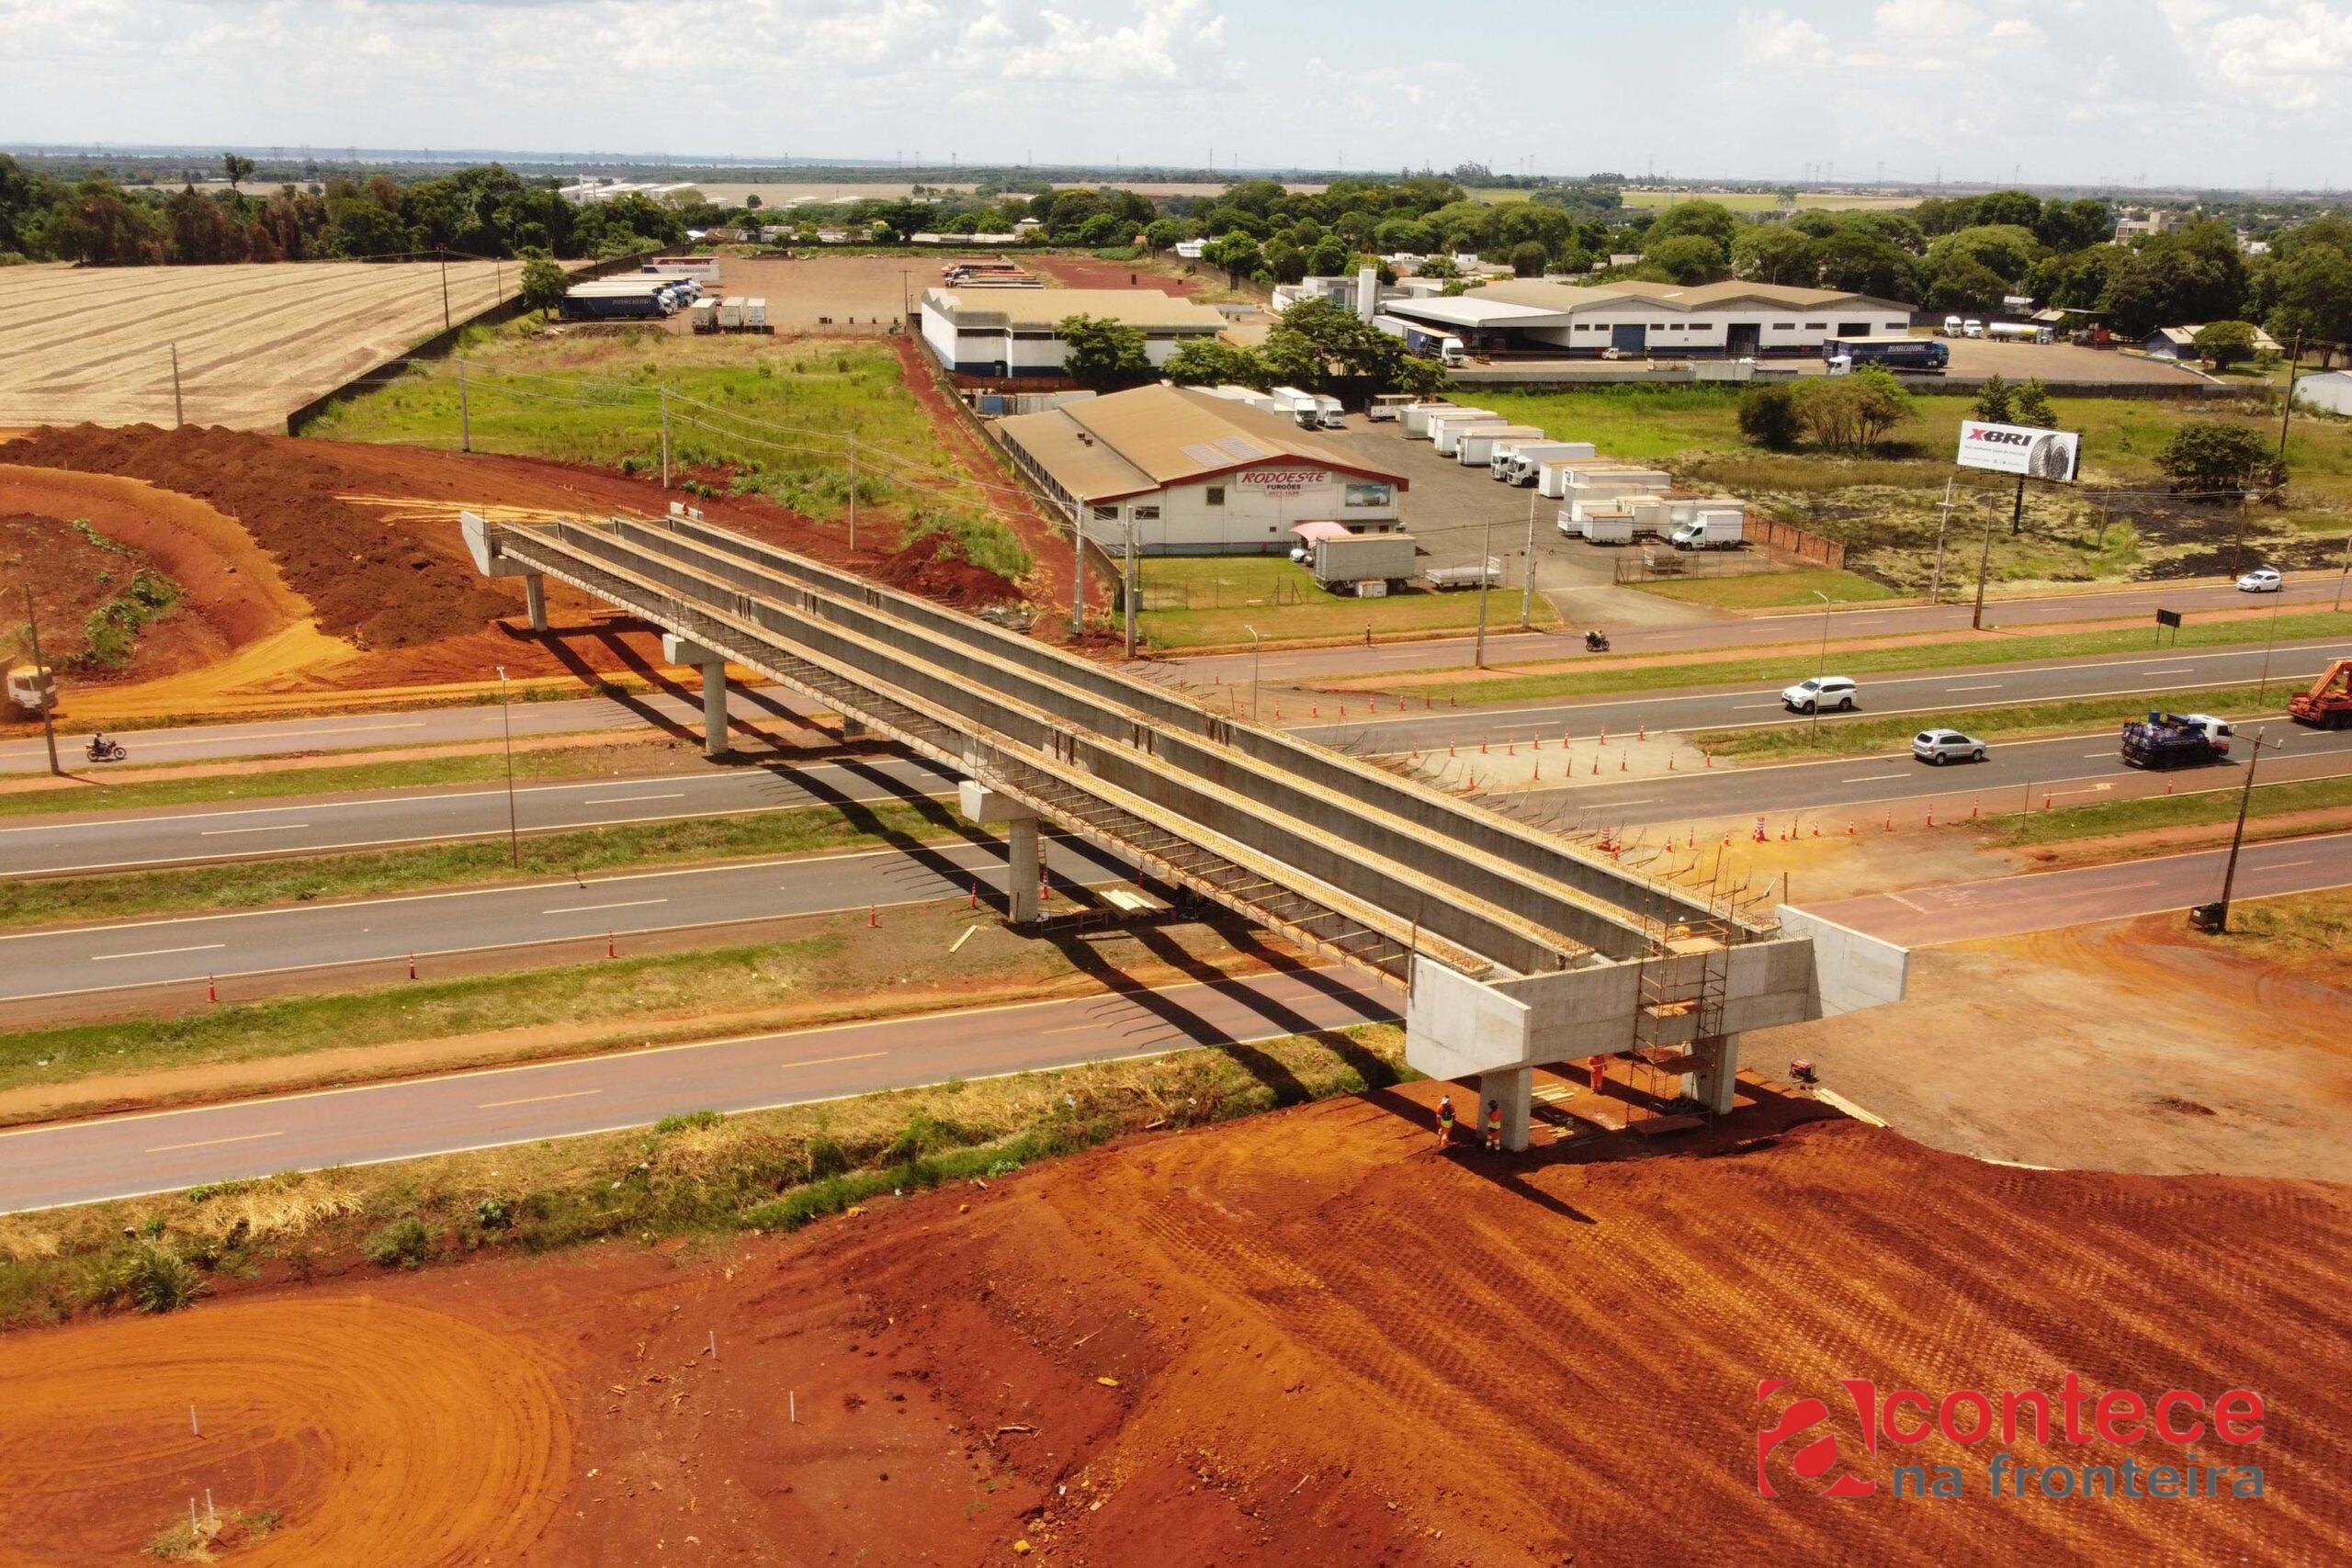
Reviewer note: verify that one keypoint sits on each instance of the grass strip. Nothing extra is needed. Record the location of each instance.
(2108, 818)
(1786, 666)
(1867, 737)
(699, 1173)
(252, 885)
(583, 763)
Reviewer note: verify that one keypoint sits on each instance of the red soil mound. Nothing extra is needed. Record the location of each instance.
(1303, 1338)
(70, 576)
(923, 568)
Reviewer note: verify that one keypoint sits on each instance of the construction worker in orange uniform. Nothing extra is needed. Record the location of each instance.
(1495, 1125)
(1444, 1123)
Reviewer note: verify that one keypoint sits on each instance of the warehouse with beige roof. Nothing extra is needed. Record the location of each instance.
(1528, 316)
(1004, 332)
(1195, 474)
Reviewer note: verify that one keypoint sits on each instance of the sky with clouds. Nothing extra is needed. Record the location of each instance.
(2209, 92)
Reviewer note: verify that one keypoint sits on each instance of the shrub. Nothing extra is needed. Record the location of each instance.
(1768, 417)
(403, 1244)
(2207, 455)
(826, 1156)
(691, 1119)
(493, 1214)
(144, 1276)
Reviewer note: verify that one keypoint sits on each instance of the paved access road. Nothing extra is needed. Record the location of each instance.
(1928, 695)
(184, 835)
(123, 1156)
(2070, 770)
(2307, 591)
(2011, 906)
(413, 726)
(79, 960)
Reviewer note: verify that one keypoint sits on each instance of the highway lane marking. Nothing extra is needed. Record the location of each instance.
(537, 1098)
(861, 1056)
(156, 951)
(2184, 670)
(1875, 778)
(1994, 687)
(267, 827)
(209, 1142)
(2280, 866)
(592, 908)
(628, 799)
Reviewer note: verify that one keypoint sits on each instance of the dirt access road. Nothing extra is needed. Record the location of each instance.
(1303, 1338)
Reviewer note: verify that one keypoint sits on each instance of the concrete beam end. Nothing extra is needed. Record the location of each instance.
(989, 808)
(677, 650)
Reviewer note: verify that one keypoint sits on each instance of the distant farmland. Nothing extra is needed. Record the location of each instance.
(256, 341)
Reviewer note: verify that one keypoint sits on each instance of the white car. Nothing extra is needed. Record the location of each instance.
(2261, 580)
(1942, 746)
(1821, 692)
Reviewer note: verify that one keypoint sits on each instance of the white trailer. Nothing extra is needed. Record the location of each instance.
(1446, 429)
(1475, 575)
(1555, 474)
(705, 315)
(1415, 417)
(1597, 483)
(1388, 407)
(755, 315)
(731, 313)
(1476, 448)
(1599, 526)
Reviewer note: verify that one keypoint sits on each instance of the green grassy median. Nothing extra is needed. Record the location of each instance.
(1868, 736)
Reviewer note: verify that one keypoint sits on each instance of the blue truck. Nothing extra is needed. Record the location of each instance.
(2175, 740)
(1895, 352)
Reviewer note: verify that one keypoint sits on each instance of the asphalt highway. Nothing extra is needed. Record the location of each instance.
(2311, 592)
(2012, 906)
(2068, 769)
(123, 841)
(1930, 695)
(123, 1156)
(79, 960)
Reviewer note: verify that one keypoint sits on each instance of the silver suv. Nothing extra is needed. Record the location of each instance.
(1942, 746)
(1820, 692)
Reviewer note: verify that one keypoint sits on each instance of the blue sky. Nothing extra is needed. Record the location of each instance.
(2215, 91)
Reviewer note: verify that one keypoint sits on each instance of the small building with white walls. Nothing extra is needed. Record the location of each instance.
(1528, 316)
(1005, 332)
(2328, 389)
(1195, 474)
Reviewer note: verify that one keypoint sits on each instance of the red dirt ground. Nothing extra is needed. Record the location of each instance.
(1302, 1338)
(1085, 272)
(63, 570)
(369, 536)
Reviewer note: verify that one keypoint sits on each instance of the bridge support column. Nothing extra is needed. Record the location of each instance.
(852, 729)
(677, 650)
(1515, 1087)
(534, 599)
(1717, 1078)
(1025, 868)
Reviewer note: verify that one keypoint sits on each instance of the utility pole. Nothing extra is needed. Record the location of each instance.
(1527, 594)
(1078, 578)
(2345, 573)
(1486, 581)
(1983, 562)
(446, 320)
(2294, 357)
(41, 683)
(1820, 665)
(2237, 834)
(1936, 584)
(2270, 644)
(179, 408)
(1253, 671)
(1127, 592)
(665, 436)
(506, 721)
(465, 419)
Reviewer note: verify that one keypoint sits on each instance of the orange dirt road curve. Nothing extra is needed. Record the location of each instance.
(380, 1433)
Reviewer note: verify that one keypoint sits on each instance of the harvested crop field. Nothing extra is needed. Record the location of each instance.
(341, 570)
(1301, 1338)
(256, 341)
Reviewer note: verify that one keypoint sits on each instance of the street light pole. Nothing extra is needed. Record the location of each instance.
(1936, 584)
(1983, 562)
(2263, 696)
(1486, 582)
(1820, 664)
(506, 721)
(1527, 594)
(40, 684)
(1253, 671)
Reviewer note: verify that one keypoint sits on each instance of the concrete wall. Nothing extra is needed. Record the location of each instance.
(1850, 970)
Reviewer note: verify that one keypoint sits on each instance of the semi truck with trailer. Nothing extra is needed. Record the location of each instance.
(1922, 354)
(1521, 463)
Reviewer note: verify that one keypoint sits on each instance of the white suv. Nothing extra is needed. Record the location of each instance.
(1821, 692)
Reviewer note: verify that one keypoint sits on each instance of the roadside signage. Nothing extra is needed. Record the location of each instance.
(2020, 449)
(2169, 618)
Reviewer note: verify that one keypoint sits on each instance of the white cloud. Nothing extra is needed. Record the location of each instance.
(2298, 55)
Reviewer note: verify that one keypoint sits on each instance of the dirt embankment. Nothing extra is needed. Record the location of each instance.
(1300, 1338)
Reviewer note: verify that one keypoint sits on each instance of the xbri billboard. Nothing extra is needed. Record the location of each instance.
(2020, 449)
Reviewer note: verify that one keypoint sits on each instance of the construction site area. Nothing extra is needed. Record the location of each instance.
(626, 952)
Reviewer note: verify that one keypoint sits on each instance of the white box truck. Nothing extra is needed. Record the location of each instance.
(1712, 528)
(1523, 460)
(1328, 414)
(1297, 406)
(1477, 449)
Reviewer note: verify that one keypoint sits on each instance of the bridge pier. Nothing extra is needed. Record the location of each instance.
(1025, 869)
(677, 650)
(852, 729)
(535, 600)
(1515, 1087)
(1717, 1078)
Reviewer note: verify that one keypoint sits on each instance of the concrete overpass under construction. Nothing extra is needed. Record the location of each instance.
(1513, 949)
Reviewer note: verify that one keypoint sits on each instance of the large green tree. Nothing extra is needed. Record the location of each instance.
(2213, 457)
(1101, 354)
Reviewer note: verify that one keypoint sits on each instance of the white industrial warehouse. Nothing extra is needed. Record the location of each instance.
(1565, 320)
(1193, 474)
(1005, 332)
